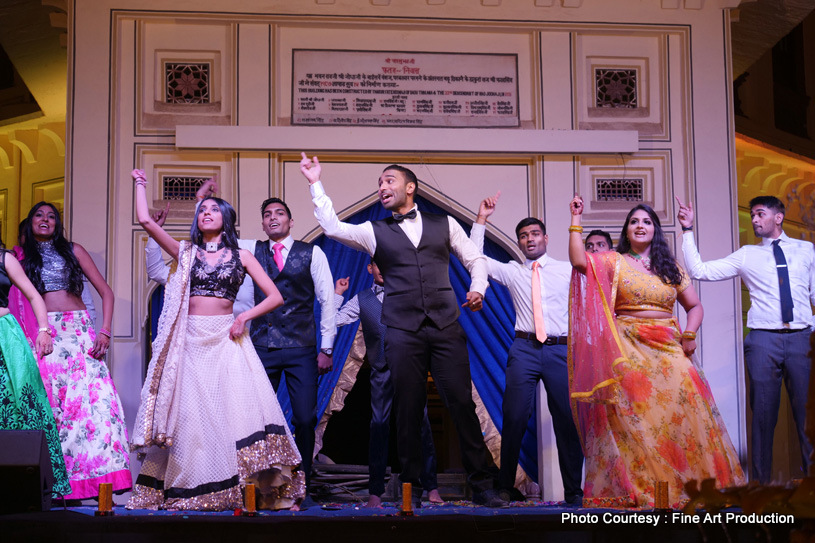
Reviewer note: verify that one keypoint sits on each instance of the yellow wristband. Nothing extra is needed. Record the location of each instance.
(575, 229)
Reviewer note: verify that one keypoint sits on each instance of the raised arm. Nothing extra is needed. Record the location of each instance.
(496, 270)
(356, 236)
(577, 251)
(157, 269)
(714, 270)
(20, 280)
(272, 301)
(165, 240)
(102, 341)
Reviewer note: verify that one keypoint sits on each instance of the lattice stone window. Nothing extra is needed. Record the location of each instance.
(619, 190)
(180, 187)
(615, 88)
(187, 83)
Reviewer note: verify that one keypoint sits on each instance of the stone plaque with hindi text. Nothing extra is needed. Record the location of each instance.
(386, 88)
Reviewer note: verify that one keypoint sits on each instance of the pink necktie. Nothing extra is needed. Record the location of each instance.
(537, 313)
(278, 255)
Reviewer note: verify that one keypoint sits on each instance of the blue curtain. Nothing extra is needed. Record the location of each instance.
(489, 332)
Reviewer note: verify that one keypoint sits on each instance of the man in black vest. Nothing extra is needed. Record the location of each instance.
(286, 338)
(366, 307)
(412, 250)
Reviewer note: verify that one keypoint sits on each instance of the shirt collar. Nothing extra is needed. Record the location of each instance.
(378, 289)
(544, 258)
(767, 241)
(287, 242)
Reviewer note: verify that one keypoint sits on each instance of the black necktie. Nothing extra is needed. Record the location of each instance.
(783, 282)
(409, 215)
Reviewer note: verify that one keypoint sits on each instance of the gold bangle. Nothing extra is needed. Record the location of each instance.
(575, 229)
(688, 335)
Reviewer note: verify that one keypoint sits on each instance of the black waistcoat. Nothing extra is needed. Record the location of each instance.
(417, 280)
(293, 324)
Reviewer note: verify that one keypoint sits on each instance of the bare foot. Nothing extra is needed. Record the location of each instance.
(433, 496)
(295, 507)
(374, 501)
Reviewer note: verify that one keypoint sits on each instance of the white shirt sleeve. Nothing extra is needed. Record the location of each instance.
(469, 255)
(349, 312)
(157, 269)
(245, 298)
(324, 291)
(356, 236)
(713, 270)
(499, 271)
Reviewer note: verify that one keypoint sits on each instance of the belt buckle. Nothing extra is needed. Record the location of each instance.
(550, 340)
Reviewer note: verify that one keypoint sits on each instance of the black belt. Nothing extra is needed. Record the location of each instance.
(550, 340)
(782, 330)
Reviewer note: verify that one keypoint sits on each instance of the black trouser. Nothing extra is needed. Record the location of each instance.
(444, 352)
(529, 362)
(381, 401)
(300, 366)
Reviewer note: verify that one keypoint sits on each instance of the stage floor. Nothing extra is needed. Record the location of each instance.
(454, 522)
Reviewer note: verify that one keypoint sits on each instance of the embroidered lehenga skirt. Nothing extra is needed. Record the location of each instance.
(86, 408)
(664, 425)
(226, 429)
(23, 401)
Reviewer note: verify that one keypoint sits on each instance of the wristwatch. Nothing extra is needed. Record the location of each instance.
(328, 352)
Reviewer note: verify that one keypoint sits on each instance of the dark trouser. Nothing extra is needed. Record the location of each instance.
(300, 366)
(771, 357)
(381, 400)
(444, 353)
(528, 362)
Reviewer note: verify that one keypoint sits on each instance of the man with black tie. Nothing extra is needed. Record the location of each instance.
(420, 311)
(779, 273)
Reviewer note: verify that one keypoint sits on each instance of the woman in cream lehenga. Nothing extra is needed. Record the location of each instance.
(209, 421)
(644, 412)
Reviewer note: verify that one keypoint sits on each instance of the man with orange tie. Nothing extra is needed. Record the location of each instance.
(540, 294)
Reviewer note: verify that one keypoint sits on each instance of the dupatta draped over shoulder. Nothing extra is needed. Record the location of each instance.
(595, 351)
(155, 413)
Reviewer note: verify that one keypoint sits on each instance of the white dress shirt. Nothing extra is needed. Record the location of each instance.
(158, 270)
(362, 237)
(555, 276)
(755, 264)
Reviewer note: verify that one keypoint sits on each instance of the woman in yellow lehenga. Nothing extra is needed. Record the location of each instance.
(644, 412)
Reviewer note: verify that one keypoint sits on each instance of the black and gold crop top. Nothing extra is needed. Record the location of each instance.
(5, 282)
(219, 281)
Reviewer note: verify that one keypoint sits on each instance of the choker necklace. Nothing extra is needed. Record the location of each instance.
(644, 260)
(214, 246)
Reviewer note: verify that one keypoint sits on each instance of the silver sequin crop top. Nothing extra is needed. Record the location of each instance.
(54, 272)
(219, 281)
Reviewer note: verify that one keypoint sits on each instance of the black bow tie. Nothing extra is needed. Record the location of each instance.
(409, 215)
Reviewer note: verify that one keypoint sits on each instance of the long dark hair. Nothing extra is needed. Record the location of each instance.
(663, 263)
(228, 234)
(33, 258)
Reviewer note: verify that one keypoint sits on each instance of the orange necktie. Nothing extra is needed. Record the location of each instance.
(537, 313)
